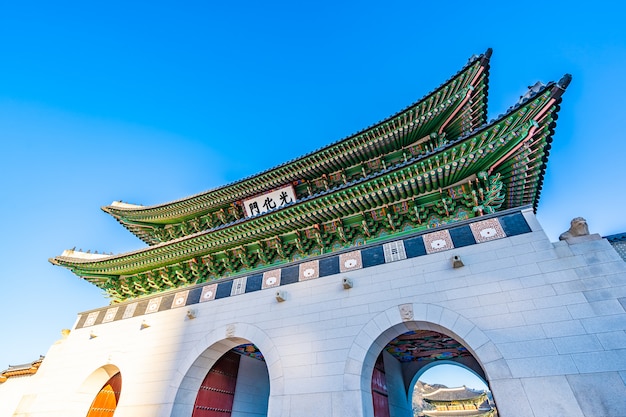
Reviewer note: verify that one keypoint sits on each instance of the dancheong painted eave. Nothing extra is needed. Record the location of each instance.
(506, 157)
(455, 108)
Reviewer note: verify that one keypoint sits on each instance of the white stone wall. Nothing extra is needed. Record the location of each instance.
(253, 389)
(12, 394)
(545, 320)
(399, 402)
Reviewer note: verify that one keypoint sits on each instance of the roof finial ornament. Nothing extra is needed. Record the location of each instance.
(564, 81)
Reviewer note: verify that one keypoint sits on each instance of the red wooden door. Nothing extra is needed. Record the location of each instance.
(216, 394)
(106, 400)
(379, 389)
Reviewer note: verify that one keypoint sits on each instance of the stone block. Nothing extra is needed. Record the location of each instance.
(520, 306)
(460, 303)
(617, 280)
(551, 396)
(512, 404)
(549, 365)
(533, 280)
(541, 245)
(589, 243)
(472, 291)
(450, 284)
(347, 404)
(485, 311)
(527, 237)
(462, 326)
(527, 349)
(562, 264)
(491, 266)
(532, 293)
(559, 300)
(601, 394)
(303, 371)
(601, 361)
(497, 369)
(562, 249)
(612, 340)
(511, 284)
(329, 356)
(608, 255)
(488, 352)
(320, 402)
(475, 338)
(597, 270)
(479, 254)
(604, 324)
(491, 299)
(297, 359)
(596, 308)
(547, 315)
(581, 285)
(563, 328)
(536, 257)
(486, 278)
(577, 344)
(448, 318)
(515, 334)
(500, 321)
(605, 293)
(508, 251)
(419, 290)
(433, 313)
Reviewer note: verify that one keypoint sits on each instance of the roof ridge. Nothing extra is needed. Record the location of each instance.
(472, 60)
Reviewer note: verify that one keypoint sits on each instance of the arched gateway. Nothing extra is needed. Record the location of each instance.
(418, 230)
(411, 321)
(230, 376)
(106, 400)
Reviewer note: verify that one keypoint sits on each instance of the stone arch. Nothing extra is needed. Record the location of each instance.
(92, 384)
(403, 318)
(208, 350)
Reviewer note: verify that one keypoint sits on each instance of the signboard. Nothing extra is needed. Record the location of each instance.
(269, 201)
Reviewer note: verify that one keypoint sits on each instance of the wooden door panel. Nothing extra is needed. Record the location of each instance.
(217, 391)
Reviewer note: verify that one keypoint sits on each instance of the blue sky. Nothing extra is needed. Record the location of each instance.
(452, 376)
(154, 101)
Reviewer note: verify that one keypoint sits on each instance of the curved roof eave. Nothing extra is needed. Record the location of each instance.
(556, 89)
(123, 210)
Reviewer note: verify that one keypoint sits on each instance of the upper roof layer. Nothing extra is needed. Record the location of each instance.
(498, 166)
(455, 108)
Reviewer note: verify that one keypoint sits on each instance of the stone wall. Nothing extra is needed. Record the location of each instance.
(544, 321)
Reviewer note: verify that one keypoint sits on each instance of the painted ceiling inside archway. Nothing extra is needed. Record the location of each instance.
(249, 349)
(421, 345)
(424, 345)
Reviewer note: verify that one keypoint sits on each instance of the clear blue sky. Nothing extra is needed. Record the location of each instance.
(452, 376)
(148, 102)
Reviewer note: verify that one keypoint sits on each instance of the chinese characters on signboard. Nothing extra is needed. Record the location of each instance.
(269, 201)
